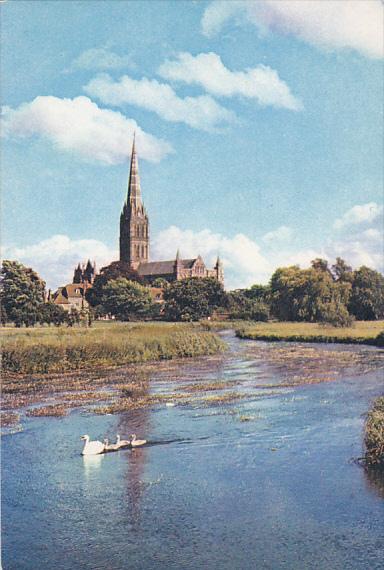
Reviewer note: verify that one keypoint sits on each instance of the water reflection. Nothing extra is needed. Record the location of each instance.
(374, 477)
(137, 421)
(91, 464)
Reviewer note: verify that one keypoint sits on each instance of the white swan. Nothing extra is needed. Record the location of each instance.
(111, 446)
(92, 447)
(136, 442)
(122, 442)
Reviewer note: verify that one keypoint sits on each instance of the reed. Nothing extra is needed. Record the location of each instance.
(374, 434)
(44, 350)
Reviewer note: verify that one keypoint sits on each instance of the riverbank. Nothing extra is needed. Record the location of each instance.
(374, 434)
(43, 350)
(362, 332)
(186, 382)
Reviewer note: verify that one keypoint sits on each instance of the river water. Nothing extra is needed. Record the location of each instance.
(265, 482)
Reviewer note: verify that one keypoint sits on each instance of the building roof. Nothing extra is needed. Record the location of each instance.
(74, 290)
(163, 267)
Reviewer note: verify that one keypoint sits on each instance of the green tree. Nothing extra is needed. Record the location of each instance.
(160, 282)
(95, 294)
(52, 314)
(367, 297)
(22, 293)
(320, 264)
(309, 295)
(341, 271)
(241, 306)
(259, 292)
(193, 298)
(126, 300)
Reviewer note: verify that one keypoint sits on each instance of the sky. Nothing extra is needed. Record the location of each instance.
(259, 131)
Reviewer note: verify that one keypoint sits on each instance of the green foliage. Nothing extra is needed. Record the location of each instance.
(126, 300)
(73, 317)
(310, 295)
(248, 306)
(341, 271)
(374, 434)
(22, 293)
(193, 299)
(160, 282)
(52, 314)
(367, 297)
(95, 294)
(258, 292)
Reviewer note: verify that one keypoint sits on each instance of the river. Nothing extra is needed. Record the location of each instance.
(263, 482)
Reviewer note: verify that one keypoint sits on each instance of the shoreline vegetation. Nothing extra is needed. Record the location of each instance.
(362, 332)
(44, 350)
(374, 434)
(115, 367)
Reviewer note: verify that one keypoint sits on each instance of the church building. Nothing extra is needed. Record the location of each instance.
(134, 240)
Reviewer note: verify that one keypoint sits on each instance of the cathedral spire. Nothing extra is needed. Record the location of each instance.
(134, 190)
(134, 225)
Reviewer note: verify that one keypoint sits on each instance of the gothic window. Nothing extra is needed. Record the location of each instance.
(142, 251)
(137, 251)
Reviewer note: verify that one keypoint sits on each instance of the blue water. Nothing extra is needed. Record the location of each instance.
(209, 491)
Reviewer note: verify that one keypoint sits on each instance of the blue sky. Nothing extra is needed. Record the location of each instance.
(259, 131)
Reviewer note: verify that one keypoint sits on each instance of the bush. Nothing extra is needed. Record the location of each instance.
(374, 434)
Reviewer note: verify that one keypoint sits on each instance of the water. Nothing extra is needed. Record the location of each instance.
(279, 491)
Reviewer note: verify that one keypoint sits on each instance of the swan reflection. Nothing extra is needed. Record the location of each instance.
(91, 463)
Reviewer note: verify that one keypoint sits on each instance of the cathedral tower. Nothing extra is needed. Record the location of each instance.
(134, 225)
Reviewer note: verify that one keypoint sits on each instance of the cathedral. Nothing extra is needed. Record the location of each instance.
(134, 240)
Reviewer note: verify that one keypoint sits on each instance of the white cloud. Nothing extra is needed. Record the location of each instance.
(80, 126)
(200, 112)
(361, 213)
(243, 261)
(357, 243)
(100, 58)
(281, 236)
(332, 24)
(207, 70)
(55, 258)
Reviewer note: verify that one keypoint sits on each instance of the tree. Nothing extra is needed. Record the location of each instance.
(309, 295)
(258, 292)
(22, 293)
(160, 282)
(52, 314)
(341, 271)
(319, 264)
(193, 298)
(126, 300)
(367, 297)
(95, 294)
(241, 306)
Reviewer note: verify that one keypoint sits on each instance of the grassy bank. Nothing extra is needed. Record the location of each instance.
(363, 332)
(374, 434)
(47, 350)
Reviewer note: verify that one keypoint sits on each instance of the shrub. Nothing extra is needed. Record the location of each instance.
(374, 434)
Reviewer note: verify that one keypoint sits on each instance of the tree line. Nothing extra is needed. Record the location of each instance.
(334, 295)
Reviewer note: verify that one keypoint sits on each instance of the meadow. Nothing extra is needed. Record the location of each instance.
(46, 349)
(362, 332)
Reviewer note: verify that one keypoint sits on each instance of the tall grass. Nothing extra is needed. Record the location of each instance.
(363, 332)
(44, 350)
(374, 434)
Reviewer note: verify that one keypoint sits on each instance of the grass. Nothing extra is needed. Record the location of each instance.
(374, 434)
(363, 332)
(44, 350)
